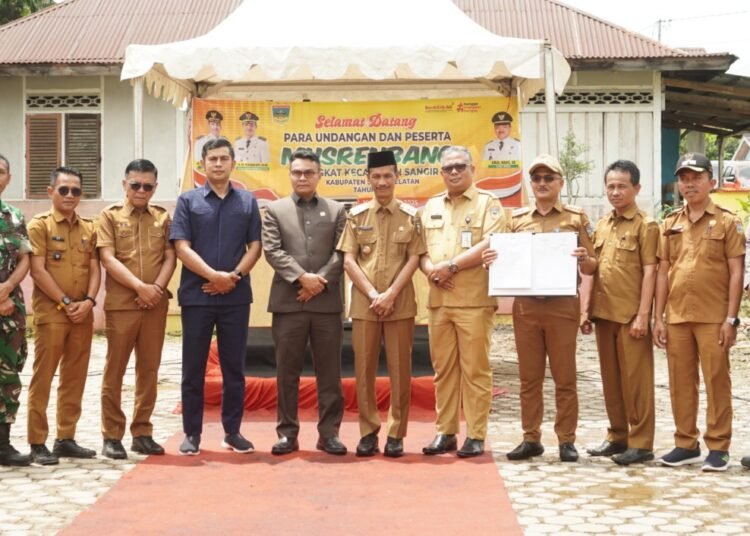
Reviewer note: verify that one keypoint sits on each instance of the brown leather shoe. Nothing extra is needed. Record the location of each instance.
(441, 444)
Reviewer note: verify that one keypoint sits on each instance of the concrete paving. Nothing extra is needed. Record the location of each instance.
(594, 496)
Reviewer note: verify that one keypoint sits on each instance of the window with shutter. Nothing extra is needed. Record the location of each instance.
(42, 151)
(83, 149)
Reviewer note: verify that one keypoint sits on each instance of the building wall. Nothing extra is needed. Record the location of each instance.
(616, 115)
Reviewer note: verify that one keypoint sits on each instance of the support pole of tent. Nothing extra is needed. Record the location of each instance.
(138, 117)
(549, 98)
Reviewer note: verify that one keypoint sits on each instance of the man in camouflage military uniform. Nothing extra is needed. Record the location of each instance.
(133, 243)
(250, 147)
(14, 265)
(65, 269)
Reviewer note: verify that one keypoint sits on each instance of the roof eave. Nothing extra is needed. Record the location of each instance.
(60, 69)
(704, 63)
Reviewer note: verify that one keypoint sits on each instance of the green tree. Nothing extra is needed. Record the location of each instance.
(15, 9)
(712, 146)
(573, 165)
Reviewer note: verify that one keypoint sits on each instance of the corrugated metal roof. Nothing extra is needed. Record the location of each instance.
(575, 33)
(98, 31)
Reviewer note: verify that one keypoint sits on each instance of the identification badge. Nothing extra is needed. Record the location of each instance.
(466, 239)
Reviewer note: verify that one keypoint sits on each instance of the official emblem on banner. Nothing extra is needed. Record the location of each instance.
(280, 113)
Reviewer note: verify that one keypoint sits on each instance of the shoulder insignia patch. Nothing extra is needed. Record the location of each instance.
(408, 209)
(725, 209)
(521, 211)
(359, 209)
(261, 138)
(573, 209)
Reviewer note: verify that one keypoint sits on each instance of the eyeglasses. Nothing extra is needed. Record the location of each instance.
(545, 178)
(458, 167)
(308, 173)
(65, 190)
(147, 186)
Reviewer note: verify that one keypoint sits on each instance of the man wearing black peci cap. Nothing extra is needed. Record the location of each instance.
(503, 147)
(382, 242)
(251, 147)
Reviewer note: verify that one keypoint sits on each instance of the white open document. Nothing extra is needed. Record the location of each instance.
(534, 264)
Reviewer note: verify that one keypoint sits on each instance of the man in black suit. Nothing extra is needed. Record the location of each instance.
(300, 233)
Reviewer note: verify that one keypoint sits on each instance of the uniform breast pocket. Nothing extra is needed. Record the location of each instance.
(401, 239)
(599, 246)
(675, 246)
(366, 242)
(476, 234)
(125, 242)
(715, 245)
(155, 238)
(627, 251)
(56, 251)
(434, 231)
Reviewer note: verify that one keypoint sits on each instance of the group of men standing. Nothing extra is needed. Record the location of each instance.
(310, 242)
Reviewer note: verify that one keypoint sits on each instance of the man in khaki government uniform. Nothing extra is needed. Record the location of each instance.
(66, 276)
(457, 226)
(382, 243)
(251, 147)
(134, 247)
(299, 236)
(548, 326)
(625, 244)
(699, 285)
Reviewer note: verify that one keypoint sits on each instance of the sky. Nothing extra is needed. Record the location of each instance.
(716, 25)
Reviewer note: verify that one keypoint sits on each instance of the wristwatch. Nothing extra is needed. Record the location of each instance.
(735, 322)
(64, 302)
(452, 266)
(89, 298)
(238, 273)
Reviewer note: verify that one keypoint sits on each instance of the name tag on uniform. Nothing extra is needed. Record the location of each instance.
(466, 239)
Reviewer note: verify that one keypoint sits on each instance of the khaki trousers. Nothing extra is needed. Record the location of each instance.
(69, 346)
(142, 330)
(367, 337)
(547, 327)
(627, 367)
(459, 348)
(689, 345)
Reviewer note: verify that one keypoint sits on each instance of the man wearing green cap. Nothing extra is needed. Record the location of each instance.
(382, 242)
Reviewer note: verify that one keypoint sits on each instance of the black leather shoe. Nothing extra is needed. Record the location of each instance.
(114, 450)
(607, 448)
(331, 445)
(441, 444)
(471, 448)
(568, 452)
(285, 445)
(145, 444)
(40, 454)
(68, 448)
(526, 450)
(633, 456)
(10, 457)
(394, 447)
(368, 445)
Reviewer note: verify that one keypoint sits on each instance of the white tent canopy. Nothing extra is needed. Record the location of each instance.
(344, 41)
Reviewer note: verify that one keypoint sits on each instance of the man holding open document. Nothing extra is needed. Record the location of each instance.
(547, 323)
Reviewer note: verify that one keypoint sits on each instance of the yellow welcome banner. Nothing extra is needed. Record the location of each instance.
(265, 134)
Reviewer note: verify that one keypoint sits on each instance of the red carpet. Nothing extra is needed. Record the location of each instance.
(309, 492)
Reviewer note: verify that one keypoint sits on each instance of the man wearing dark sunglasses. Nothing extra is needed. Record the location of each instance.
(548, 326)
(133, 244)
(65, 269)
(216, 234)
(457, 226)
